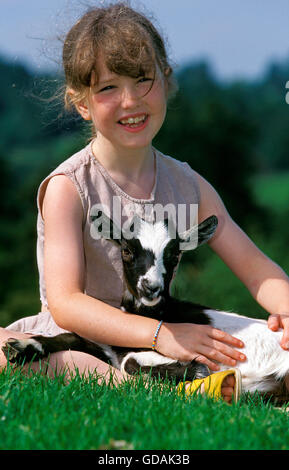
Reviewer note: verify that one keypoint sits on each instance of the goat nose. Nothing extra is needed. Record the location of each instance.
(153, 289)
(149, 287)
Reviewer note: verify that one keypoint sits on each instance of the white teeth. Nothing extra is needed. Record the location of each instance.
(132, 120)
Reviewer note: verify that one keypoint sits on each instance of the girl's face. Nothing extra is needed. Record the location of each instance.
(127, 111)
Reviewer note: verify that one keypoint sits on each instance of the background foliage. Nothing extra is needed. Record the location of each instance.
(235, 134)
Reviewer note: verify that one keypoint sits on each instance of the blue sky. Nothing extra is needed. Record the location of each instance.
(238, 37)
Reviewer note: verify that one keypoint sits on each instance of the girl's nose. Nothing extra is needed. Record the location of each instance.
(129, 97)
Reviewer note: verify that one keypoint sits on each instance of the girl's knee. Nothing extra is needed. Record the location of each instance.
(4, 333)
(4, 336)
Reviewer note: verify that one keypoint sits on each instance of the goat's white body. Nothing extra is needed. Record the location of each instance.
(266, 361)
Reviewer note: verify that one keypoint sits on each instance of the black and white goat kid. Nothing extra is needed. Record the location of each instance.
(149, 261)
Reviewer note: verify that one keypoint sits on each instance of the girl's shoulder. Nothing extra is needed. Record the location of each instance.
(179, 177)
(74, 168)
(170, 163)
(178, 170)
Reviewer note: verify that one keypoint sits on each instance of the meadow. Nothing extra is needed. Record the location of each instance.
(40, 413)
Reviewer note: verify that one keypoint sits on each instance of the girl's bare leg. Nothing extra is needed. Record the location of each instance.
(64, 361)
(72, 361)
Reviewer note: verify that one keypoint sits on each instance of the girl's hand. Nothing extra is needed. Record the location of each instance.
(276, 321)
(204, 343)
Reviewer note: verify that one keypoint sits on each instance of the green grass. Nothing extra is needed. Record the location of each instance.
(38, 413)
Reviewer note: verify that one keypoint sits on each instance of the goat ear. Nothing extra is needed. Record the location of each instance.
(198, 234)
(103, 226)
(171, 227)
(206, 229)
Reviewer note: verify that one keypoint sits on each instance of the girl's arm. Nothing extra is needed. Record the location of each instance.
(64, 270)
(75, 311)
(266, 281)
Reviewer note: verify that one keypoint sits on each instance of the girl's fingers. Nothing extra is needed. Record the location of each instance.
(218, 356)
(277, 321)
(285, 337)
(227, 350)
(273, 322)
(225, 337)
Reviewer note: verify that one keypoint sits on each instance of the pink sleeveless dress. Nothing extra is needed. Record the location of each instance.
(175, 184)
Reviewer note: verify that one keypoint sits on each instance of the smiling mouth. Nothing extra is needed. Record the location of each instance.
(133, 123)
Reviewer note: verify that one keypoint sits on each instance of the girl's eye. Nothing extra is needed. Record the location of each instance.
(144, 79)
(107, 88)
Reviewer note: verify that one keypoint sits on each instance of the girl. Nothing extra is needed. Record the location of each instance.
(119, 78)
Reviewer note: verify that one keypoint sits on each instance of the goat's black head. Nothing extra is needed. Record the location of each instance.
(151, 251)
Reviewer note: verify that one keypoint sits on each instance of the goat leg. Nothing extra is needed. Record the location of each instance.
(20, 351)
(174, 372)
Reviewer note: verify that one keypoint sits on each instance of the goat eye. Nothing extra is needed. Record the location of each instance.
(127, 254)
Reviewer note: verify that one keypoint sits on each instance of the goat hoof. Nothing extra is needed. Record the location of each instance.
(20, 351)
(131, 366)
(11, 350)
(202, 371)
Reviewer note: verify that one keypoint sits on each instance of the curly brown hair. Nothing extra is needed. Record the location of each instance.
(128, 41)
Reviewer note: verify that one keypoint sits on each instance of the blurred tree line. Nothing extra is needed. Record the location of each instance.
(228, 132)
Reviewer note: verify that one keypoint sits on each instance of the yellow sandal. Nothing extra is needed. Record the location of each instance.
(213, 384)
